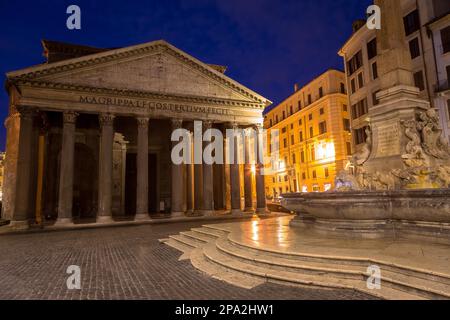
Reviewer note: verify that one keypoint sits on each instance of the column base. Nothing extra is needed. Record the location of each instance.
(63, 221)
(237, 212)
(249, 210)
(19, 225)
(141, 217)
(207, 213)
(177, 214)
(104, 219)
(262, 211)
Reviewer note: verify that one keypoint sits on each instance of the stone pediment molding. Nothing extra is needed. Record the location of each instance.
(47, 72)
(135, 93)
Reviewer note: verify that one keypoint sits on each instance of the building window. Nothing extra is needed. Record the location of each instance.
(292, 140)
(360, 135)
(293, 159)
(445, 38)
(284, 115)
(411, 22)
(311, 132)
(418, 80)
(360, 80)
(344, 108)
(300, 122)
(359, 109)
(313, 154)
(283, 130)
(414, 48)
(320, 92)
(314, 174)
(349, 149)
(276, 119)
(310, 117)
(301, 136)
(374, 71)
(327, 172)
(323, 127)
(375, 101)
(299, 105)
(304, 176)
(309, 99)
(285, 178)
(302, 156)
(372, 49)
(322, 111)
(271, 122)
(354, 63)
(285, 143)
(347, 125)
(292, 126)
(343, 88)
(353, 85)
(291, 109)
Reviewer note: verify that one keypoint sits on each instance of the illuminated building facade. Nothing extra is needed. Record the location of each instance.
(314, 136)
(426, 26)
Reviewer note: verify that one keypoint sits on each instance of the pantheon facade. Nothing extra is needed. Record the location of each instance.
(89, 136)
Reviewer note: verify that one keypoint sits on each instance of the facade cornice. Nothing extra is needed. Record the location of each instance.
(34, 73)
(21, 83)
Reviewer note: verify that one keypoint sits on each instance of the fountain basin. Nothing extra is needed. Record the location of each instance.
(423, 214)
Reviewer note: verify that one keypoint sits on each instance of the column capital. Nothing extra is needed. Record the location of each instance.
(26, 112)
(232, 125)
(176, 123)
(70, 116)
(142, 122)
(106, 119)
(258, 127)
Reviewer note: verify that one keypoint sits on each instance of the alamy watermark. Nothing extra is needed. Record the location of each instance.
(73, 22)
(373, 17)
(73, 282)
(238, 146)
(374, 277)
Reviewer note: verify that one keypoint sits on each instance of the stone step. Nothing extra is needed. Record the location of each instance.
(346, 262)
(213, 234)
(179, 246)
(423, 286)
(241, 280)
(296, 278)
(197, 236)
(219, 231)
(186, 241)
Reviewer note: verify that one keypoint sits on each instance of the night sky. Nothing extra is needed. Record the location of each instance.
(268, 45)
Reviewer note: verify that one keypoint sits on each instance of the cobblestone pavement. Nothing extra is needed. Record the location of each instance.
(122, 263)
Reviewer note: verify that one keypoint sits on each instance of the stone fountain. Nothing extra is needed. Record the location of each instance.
(397, 185)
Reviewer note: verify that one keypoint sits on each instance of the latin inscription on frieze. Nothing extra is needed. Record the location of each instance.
(139, 104)
(388, 140)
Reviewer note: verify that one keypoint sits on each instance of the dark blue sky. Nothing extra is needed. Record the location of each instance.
(268, 45)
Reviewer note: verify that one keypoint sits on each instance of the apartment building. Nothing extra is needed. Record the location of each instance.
(314, 136)
(427, 38)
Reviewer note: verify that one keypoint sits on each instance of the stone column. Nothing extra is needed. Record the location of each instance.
(261, 206)
(208, 181)
(198, 172)
(234, 173)
(190, 180)
(66, 169)
(105, 173)
(142, 170)
(248, 173)
(177, 196)
(16, 193)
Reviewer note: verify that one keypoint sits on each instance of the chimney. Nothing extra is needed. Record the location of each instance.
(295, 87)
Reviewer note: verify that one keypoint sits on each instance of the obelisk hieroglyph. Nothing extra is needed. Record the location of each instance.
(399, 98)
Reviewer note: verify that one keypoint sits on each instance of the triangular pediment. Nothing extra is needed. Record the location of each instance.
(154, 67)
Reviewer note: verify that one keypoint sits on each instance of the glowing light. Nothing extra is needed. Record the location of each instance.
(255, 229)
(305, 189)
(282, 165)
(325, 150)
(327, 187)
(253, 169)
